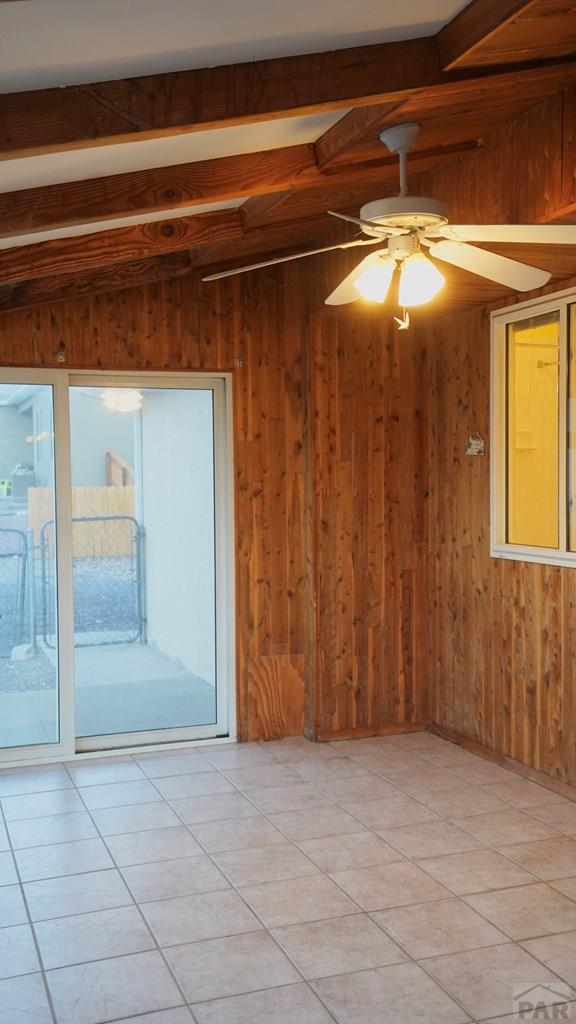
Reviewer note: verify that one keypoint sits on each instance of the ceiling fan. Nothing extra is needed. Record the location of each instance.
(411, 224)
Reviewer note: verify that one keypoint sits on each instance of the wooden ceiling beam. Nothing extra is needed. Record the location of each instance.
(121, 245)
(183, 101)
(108, 279)
(266, 176)
(349, 130)
(154, 106)
(477, 23)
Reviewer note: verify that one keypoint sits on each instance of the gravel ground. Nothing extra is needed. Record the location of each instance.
(37, 673)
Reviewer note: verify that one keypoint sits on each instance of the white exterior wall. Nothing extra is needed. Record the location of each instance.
(177, 504)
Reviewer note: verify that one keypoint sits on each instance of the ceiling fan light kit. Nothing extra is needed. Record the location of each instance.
(404, 224)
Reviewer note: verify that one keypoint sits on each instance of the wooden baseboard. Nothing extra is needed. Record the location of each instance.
(565, 789)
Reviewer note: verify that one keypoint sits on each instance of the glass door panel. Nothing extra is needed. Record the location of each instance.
(29, 692)
(144, 559)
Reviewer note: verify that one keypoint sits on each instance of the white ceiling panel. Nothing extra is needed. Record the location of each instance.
(80, 164)
(46, 43)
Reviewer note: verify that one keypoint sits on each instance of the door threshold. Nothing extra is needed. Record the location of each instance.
(90, 755)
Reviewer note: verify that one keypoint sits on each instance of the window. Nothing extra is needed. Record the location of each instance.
(533, 447)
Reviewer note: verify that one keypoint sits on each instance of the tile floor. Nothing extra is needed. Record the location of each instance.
(381, 881)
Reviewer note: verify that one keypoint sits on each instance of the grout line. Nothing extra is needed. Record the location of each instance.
(30, 923)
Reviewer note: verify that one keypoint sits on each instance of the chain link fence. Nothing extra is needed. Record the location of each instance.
(13, 589)
(108, 580)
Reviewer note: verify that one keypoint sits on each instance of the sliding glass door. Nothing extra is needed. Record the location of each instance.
(115, 581)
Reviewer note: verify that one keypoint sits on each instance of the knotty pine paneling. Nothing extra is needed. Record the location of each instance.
(328, 467)
(501, 634)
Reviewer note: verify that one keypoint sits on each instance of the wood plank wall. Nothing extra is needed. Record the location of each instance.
(502, 634)
(330, 550)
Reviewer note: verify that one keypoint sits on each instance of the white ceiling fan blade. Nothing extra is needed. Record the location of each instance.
(511, 273)
(286, 259)
(346, 292)
(524, 234)
(371, 225)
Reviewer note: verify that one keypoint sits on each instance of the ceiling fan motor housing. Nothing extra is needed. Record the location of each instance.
(409, 212)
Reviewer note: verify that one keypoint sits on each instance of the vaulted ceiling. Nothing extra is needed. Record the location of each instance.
(108, 181)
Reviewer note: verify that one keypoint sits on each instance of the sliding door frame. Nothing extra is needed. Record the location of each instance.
(225, 726)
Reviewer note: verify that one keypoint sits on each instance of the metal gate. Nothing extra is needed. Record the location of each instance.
(13, 571)
(108, 580)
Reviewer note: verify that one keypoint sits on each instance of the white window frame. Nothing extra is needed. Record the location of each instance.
(69, 746)
(499, 321)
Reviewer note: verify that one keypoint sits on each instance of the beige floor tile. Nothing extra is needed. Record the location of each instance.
(388, 995)
(481, 773)
(295, 748)
(316, 822)
(162, 881)
(368, 745)
(249, 755)
(484, 980)
(4, 841)
(62, 859)
(547, 859)
(74, 940)
(456, 758)
(262, 776)
(462, 801)
(181, 1015)
(390, 885)
(323, 948)
(218, 968)
(561, 816)
(421, 742)
(294, 1004)
(363, 787)
(465, 873)
(558, 952)
(426, 780)
(224, 806)
(23, 1000)
(506, 827)
(113, 821)
(342, 853)
(338, 768)
(566, 886)
(276, 799)
(98, 771)
(176, 762)
(207, 916)
(118, 794)
(59, 828)
(432, 839)
(398, 810)
(17, 951)
(266, 864)
(297, 900)
(198, 784)
(154, 845)
(109, 989)
(76, 894)
(12, 906)
(238, 834)
(41, 805)
(522, 794)
(389, 761)
(20, 781)
(528, 911)
(432, 929)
